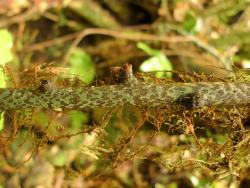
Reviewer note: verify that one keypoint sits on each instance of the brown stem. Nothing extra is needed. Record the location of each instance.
(190, 95)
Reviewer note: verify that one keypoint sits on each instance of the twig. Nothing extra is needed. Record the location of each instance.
(19, 18)
(205, 46)
(28, 14)
(135, 36)
(48, 43)
(128, 35)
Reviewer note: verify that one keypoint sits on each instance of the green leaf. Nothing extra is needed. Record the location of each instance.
(1, 121)
(60, 158)
(6, 43)
(157, 62)
(77, 118)
(42, 119)
(2, 78)
(189, 23)
(62, 19)
(147, 49)
(82, 66)
(218, 138)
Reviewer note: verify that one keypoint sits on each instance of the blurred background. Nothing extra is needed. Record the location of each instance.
(75, 43)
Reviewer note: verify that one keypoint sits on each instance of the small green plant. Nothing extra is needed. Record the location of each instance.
(158, 62)
(81, 65)
(6, 43)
